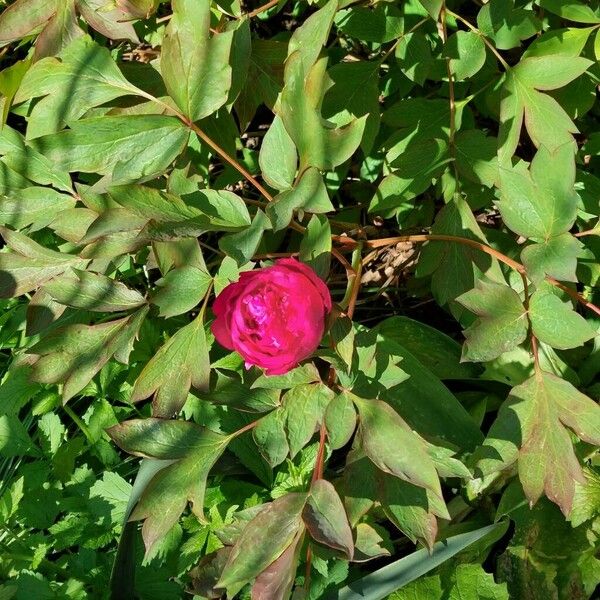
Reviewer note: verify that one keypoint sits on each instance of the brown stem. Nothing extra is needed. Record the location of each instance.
(307, 571)
(513, 264)
(575, 295)
(432, 237)
(355, 287)
(245, 428)
(342, 260)
(320, 461)
(262, 8)
(228, 159)
(587, 232)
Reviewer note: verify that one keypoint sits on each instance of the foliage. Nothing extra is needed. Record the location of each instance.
(436, 163)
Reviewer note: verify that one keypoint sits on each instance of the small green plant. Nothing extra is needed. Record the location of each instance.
(290, 289)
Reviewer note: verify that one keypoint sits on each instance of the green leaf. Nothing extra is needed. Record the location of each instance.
(205, 210)
(541, 203)
(31, 164)
(545, 120)
(278, 158)
(128, 148)
(307, 373)
(473, 583)
(476, 157)
(91, 291)
(181, 362)
(466, 52)
(181, 290)
(33, 206)
(30, 265)
(391, 445)
(340, 420)
(308, 39)
(556, 257)
(10, 500)
(571, 10)
(315, 247)
(10, 80)
(414, 54)
(194, 65)
(309, 194)
(355, 93)
(14, 439)
(326, 520)
(381, 23)
(242, 246)
(381, 583)
(555, 323)
(502, 321)
(586, 502)
(530, 430)
(161, 438)
(75, 353)
(266, 73)
(263, 540)
(369, 543)
(304, 407)
(23, 18)
(506, 25)
(433, 7)
(193, 451)
(319, 144)
(231, 392)
(84, 76)
(112, 488)
(269, 436)
(569, 42)
(411, 509)
(456, 267)
(435, 350)
(413, 390)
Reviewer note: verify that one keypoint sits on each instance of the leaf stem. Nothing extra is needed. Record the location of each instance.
(219, 151)
(534, 343)
(594, 231)
(444, 36)
(84, 428)
(245, 428)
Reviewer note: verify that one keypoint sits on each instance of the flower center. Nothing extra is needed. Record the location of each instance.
(264, 313)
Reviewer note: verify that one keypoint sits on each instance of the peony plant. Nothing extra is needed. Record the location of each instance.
(299, 299)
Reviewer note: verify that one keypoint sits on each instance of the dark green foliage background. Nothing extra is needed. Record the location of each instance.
(437, 163)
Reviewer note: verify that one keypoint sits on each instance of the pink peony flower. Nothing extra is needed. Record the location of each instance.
(273, 317)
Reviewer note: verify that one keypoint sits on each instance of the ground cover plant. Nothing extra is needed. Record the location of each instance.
(299, 300)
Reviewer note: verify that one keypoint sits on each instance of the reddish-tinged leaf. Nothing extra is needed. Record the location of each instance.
(161, 438)
(263, 541)
(326, 520)
(182, 361)
(531, 430)
(23, 18)
(74, 354)
(389, 442)
(276, 581)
